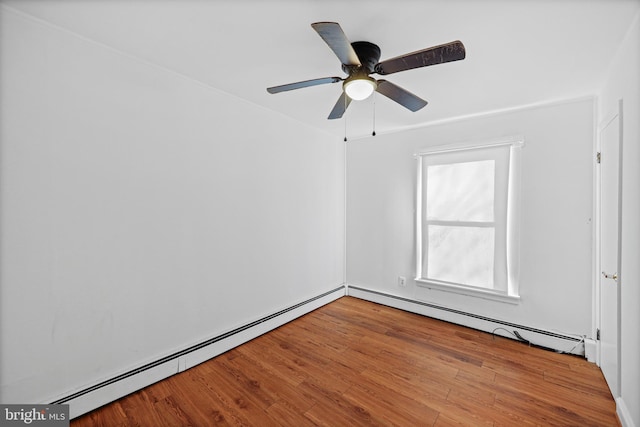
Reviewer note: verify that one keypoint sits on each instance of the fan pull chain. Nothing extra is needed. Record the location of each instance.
(345, 118)
(374, 115)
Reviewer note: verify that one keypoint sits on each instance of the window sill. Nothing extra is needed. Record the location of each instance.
(464, 290)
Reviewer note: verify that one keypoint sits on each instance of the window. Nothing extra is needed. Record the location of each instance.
(466, 219)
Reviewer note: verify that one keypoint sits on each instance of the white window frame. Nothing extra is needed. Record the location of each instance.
(510, 291)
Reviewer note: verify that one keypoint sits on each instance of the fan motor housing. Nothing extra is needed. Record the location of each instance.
(368, 54)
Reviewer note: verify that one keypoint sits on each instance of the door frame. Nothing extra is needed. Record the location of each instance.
(608, 118)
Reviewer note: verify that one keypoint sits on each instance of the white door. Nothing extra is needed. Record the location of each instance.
(610, 143)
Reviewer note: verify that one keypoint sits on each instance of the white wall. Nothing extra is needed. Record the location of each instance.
(556, 226)
(623, 83)
(143, 212)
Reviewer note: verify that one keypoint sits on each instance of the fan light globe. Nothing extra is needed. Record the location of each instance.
(359, 89)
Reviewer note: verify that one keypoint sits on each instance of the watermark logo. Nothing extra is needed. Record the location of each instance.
(35, 415)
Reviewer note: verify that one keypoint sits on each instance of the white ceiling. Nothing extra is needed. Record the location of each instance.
(519, 52)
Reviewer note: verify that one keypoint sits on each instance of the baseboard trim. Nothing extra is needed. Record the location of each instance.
(103, 392)
(538, 337)
(623, 413)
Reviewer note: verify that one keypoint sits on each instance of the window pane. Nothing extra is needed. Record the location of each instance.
(460, 191)
(461, 255)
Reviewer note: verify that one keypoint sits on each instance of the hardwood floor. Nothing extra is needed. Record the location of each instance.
(353, 362)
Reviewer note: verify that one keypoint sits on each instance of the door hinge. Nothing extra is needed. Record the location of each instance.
(598, 157)
(597, 334)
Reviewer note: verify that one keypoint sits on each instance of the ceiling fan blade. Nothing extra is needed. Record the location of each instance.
(453, 51)
(401, 96)
(306, 83)
(340, 107)
(332, 34)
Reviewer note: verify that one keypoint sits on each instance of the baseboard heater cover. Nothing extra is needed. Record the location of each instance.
(538, 337)
(106, 391)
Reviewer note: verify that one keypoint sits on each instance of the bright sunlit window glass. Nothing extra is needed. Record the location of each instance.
(461, 255)
(460, 222)
(461, 191)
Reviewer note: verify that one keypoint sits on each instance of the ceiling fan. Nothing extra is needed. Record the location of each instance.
(360, 59)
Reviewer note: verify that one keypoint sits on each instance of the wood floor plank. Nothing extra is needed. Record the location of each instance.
(335, 408)
(276, 390)
(399, 408)
(288, 415)
(357, 363)
(551, 395)
(274, 362)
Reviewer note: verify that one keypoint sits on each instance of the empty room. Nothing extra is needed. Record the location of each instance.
(320, 212)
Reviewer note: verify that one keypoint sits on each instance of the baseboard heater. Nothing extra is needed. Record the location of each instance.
(106, 391)
(536, 337)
